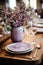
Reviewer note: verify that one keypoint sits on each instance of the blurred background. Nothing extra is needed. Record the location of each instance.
(31, 9)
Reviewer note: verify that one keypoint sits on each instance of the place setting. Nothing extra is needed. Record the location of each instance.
(19, 48)
(23, 49)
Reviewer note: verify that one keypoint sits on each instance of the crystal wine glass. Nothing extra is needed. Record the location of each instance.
(34, 30)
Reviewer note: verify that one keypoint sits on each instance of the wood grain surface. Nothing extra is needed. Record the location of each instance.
(28, 56)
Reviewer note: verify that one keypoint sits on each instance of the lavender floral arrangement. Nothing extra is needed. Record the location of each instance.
(19, 16)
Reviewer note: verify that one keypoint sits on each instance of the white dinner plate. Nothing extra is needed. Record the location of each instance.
(38, 25)
(18, 48)
(37, 29)
(41, 20)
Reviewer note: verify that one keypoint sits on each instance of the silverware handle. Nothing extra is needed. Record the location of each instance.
(34, 55)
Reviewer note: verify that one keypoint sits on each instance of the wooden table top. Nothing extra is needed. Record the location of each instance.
(25, 57)
(4, 38)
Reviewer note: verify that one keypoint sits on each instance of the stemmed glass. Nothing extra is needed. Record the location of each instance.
(34, 31)
(31, 23)
(31, 30)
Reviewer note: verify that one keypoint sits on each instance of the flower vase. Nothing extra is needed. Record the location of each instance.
(17, 34)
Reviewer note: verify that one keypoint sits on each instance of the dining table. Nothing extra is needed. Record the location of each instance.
(33, 57)
(3, 38)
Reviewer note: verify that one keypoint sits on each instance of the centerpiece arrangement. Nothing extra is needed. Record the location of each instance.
(18, 19)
